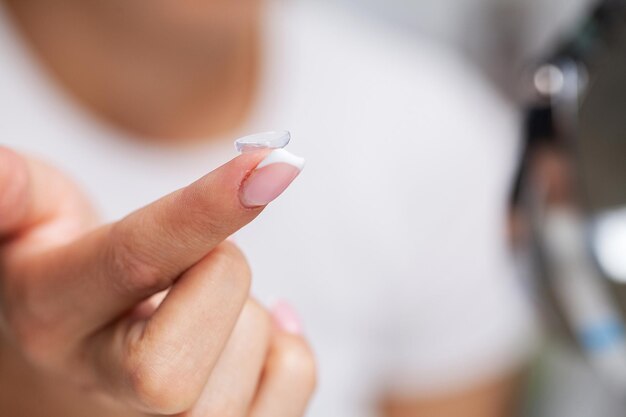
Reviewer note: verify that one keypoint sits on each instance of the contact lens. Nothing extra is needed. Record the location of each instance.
(265, 140)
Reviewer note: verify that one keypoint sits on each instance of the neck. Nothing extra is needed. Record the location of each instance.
(157, 76)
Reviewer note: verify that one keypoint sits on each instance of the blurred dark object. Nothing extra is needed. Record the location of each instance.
(590, 113)
(571, 191)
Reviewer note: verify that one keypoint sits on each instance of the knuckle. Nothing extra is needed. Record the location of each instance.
(295, 359)
(132, 268)
(234, 268)
(149, 389)
(158, 389)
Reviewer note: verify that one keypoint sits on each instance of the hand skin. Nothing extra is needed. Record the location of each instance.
(147, 316)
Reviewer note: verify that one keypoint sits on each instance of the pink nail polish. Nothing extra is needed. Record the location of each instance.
(270, 178)
(286, 318)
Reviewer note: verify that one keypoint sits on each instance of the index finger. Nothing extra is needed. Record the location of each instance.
(114, 268)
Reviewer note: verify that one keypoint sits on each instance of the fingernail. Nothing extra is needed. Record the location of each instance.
(286, 318)
(270, 178)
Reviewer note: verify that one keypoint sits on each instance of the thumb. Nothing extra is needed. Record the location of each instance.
(38, 203)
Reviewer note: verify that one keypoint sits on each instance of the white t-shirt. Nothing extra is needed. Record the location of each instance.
(390, 244)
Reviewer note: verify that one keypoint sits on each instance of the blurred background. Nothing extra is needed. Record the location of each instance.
(506, 39)
(500, 36)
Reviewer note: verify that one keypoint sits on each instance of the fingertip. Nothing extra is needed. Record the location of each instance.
(228, 179)
(270, 178)
(248, 161)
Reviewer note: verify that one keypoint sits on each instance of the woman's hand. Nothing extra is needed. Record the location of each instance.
(147, 316)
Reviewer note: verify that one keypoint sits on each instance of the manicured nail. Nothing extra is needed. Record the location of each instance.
(286, 318)
(270, 178)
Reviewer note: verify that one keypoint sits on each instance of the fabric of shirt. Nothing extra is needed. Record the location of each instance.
(391, 244)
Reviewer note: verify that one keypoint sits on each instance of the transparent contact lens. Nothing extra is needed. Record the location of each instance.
(265, 140)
